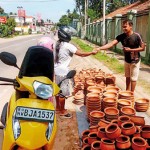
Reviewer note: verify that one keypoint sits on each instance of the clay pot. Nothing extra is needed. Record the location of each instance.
(138, 120)
(93, 128)
(85, 141)
(114, 121)
(92, 95)
(86, 147)
(96, 145)
(145, 131)
(112, 89)
(123, 119)
(94, 89)
(110, 95)
(129, 111)
(125, 94)
(101, 132)
(123, 103)
(142, 104)
(79, 95)
(92, 137)
(107, 144)
(97, 114)
(111, 111)
(138, 132)
(103, 123)
(85, 133)
(128, 128)
(109, 102)
(123, 142)
(139, 143)
(112, 131)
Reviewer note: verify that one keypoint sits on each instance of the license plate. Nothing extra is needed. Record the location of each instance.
(35, 114)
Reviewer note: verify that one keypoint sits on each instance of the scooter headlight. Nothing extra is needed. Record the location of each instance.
(49, 130)
(16, 128)
(43, 90)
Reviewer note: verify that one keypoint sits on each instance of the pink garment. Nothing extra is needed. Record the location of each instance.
(46, 42)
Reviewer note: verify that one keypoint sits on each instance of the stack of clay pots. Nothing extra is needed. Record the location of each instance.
(122, 135)
(128, 95)
(129, 111)
(123, 103)
(93, 102)
(111, 113)
(141, 104)
(95, 117)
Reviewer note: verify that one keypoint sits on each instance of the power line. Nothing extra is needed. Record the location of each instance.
(25, 1)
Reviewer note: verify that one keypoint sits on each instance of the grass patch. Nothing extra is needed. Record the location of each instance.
(112, 63)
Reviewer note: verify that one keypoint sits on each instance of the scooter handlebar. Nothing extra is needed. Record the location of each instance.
(7, 80)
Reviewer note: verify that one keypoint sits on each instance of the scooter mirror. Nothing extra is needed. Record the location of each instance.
(71, 74)
(8, 59)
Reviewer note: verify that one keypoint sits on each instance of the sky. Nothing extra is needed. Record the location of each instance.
(48, 9)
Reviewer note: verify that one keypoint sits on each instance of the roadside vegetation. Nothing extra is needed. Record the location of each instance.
(111, 62)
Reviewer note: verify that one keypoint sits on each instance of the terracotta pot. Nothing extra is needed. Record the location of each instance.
(79, 95)
(112, 89)
(145, 131)
(94, 89)
(123, 142)
(92, 137)
(85, 133)
(123, 102)
(97, 114)
(85, 141)
(129, 111)
(125, 94)
(112, 131)
(92, 95)
(139, 143)
(110, 95)
(101, 132)
(114, 121)
(142, 104)
(123, 119)
(107, 144)
(128, 128)
(138, 120)
(96, 145)
(86, 147)
(111, 111)
(94, 128)
(103, 123)
(138, 132)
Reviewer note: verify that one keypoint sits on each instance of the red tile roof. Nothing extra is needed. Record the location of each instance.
(139, 6)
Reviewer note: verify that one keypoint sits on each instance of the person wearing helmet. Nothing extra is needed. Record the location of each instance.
(63, 54)
(46, 42)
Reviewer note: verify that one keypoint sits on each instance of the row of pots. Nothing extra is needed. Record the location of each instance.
(121, 136)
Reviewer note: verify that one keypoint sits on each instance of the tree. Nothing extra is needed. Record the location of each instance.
(1, 10)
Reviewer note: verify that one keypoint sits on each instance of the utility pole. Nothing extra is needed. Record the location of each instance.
(103, 35)
(85, 17)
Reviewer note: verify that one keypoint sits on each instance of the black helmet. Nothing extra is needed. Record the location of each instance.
(63, 35)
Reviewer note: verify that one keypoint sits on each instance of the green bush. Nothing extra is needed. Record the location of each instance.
(30, 31)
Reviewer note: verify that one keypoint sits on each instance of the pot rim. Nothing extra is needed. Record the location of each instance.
(140, 138)
(102, 140)
(128, 139)
(111, 124)
(122, 125)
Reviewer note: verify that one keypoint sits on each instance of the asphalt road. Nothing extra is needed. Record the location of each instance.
(17, 46)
